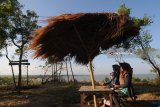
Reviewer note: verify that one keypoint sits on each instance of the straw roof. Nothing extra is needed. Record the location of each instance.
(82, 35)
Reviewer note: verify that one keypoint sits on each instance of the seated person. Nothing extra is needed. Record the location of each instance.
(114, 77)
(125, 82)
(121, 80)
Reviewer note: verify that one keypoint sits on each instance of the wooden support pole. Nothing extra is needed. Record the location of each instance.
(93, 82)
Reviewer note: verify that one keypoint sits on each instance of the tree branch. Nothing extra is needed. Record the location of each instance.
(7, 53)
(148, 58)
(15, 43)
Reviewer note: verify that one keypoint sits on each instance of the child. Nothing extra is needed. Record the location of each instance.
(114, 77)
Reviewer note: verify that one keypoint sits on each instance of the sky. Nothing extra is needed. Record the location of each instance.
(102, 63)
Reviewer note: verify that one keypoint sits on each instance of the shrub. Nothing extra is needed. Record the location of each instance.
(145, 80)
(106, 79)
(5, 81)
(157, 81)
(136, 79)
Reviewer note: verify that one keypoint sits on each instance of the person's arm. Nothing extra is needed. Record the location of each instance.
(127, 82)
(108, 82)
(117, 80)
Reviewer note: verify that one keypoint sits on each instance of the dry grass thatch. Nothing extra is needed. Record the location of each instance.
(82, 35)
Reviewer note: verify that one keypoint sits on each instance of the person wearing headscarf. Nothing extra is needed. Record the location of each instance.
(114, 77)
(125, 82)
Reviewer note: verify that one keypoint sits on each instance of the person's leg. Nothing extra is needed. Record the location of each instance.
(114, 98)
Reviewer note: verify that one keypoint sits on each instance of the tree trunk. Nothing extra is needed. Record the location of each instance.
(52, 71)
(15, 86)
(60, 72)
(55, 73)
(20, 70)
(71, 70)
(27, 76)
(158, 74)
(93, 82)
(43, 78)
(67, 71)
(13, 78)
(155, 67)
(150, 61)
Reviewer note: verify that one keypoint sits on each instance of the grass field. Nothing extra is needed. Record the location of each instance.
(66, 95)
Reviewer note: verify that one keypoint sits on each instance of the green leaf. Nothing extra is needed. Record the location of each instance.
(123, 10)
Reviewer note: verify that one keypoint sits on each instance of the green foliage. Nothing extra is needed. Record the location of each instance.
(33, 81)
(145, 52)
(157, 81)
(7, 8)
(142, 22)
(154, 70)
(137, 21)
(106, 79)
(22, 26)
(17, 51)
(145, 80)
(17, 27)
(5, 81)
(135, 45)
(14, 24)
(145, 39)
(72, 85)
(123, 10)
(140, 53)
(136, 79)
(134, 42)
(146, 20)
(2, 38)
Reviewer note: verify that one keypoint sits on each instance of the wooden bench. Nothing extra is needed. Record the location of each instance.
(88, 90)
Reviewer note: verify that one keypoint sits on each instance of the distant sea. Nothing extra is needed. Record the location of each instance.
(86, 78)
(99, 78)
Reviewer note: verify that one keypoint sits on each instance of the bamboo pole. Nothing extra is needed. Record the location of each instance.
(90, 63)
(93, 82)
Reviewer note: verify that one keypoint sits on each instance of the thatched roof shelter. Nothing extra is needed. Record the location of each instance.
(82, 35)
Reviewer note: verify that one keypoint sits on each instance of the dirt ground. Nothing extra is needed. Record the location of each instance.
(66, 95)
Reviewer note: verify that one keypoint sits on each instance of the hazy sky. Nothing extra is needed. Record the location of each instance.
(102, 63)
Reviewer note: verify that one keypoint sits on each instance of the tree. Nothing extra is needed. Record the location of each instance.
(71, 69)
(22, 27)
(7, 8)
(145, 52)
(141, 43)
(19, 28)
(53, 66)
(56, 68)
(13, 76)
(141, 47)
(67, 69)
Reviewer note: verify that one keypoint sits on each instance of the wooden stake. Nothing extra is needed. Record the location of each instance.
(93, 82)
